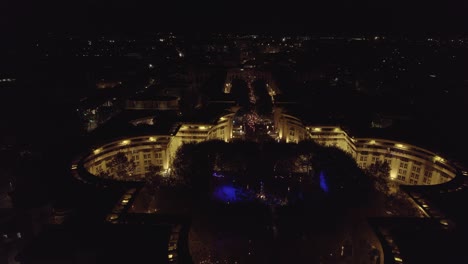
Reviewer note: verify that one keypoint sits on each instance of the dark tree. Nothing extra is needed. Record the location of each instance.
(153, 179)
(183, 162)
(194, 164)
(379, 172)
(121, 166)
(344, 178)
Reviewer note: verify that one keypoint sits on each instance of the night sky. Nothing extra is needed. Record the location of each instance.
(394, 17)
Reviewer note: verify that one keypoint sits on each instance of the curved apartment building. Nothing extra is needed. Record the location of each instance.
(409, 164)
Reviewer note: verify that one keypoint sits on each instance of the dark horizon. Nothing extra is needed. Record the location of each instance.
(315, 18)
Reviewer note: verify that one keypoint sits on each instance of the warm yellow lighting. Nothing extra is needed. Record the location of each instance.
(444, 222)
(112, 217)
(202, 127)
(170, 256)
(439, 159)
(125, 142)
(372, 142)
(74, 167)
(400, 145)
(222, 119)
(317, 129)
(124, 201)
(96, 151)
(152, 139)
(398, 259)
(393, 175)
(337, 130)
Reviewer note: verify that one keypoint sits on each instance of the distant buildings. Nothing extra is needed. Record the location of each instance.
(155, 103)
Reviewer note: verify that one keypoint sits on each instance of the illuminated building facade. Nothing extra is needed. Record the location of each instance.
(223, 130)
(289, 128)
(409, 164)
(142, 151)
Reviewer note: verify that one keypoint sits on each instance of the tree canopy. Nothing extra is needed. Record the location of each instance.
(274, 164)
(121, 166)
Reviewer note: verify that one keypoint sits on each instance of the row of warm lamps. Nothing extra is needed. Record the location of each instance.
(123, 143)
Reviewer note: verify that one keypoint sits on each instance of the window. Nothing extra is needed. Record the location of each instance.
(147, 156)
(374, 159)
(403, 165)
(159, 161)
(147, 162)
(416, 169)
(363, 158)
(426, 180)
(428, 173)
(158, 155)
(414, 175)
(402, 171)
(136, 157)
(401, 177)
(413, 181)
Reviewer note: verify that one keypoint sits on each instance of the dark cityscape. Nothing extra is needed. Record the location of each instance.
(233, 132)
